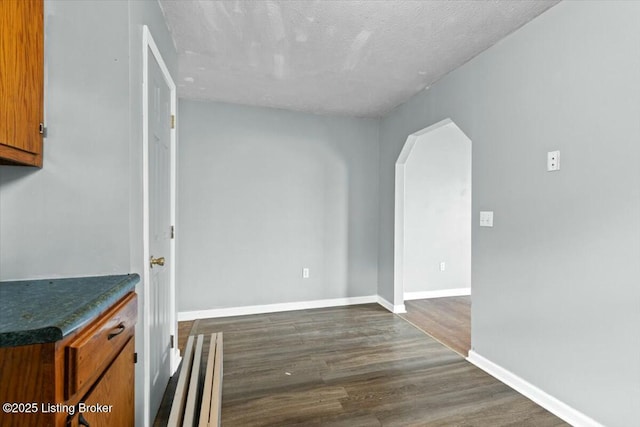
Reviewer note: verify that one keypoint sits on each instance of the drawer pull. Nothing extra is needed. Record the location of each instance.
(119, 329)
(82, 421)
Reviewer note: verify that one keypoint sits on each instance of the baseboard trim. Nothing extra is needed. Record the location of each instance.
(274, 308)
(437, 294)
(550, 403)
(400, 308)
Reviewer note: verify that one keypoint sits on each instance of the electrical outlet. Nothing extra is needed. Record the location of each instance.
(443, 266)
(305, 273)
(553, 161)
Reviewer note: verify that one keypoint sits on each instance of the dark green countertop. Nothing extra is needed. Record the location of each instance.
(41, 311)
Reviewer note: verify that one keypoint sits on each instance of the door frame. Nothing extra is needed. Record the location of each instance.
(148, 44)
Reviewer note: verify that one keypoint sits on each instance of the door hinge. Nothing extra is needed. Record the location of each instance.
(135, 357)
(173, 232)
(173, 121)
(171, 343)
(42, 130)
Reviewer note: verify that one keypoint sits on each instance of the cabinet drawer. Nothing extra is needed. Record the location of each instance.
(97, 345)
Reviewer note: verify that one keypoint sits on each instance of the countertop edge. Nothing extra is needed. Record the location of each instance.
(94, 308)
(74, 320)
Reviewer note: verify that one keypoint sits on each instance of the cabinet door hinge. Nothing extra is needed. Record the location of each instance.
(135, 357)
(173, 121)
(173, 232)
(171, 342)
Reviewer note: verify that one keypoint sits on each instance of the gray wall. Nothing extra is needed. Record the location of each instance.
(437, 212)
(556, 298)
(71, 217)
(81, 214)
(263, 193)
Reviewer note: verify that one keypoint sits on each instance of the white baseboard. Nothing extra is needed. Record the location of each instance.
(437, 294)
(550, 403)
(400, 308)
(274, 308)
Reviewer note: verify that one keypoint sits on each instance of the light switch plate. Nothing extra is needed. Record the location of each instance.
(486, 218)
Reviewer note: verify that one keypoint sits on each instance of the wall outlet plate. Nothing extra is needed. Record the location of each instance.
(553, 161)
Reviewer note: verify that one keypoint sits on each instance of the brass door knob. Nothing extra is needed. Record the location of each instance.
(156, 261)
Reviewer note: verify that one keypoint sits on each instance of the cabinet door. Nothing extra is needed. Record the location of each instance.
(21, 81)
(111, 402)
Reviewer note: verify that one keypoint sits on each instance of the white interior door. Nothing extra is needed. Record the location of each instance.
(160, 231)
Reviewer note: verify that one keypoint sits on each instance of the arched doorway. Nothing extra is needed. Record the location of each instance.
(432, 246)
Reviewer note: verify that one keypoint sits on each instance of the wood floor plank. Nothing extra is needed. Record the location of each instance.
(285, 408)
(342, 420)
(184, 330)
(355, 366)
(448, 320)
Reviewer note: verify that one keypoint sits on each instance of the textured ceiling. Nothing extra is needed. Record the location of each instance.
(356, 58)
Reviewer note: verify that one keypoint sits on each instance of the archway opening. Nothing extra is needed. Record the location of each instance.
(432, 247)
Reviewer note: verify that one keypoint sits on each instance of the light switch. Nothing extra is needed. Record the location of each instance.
(486, 218)
(553, 161)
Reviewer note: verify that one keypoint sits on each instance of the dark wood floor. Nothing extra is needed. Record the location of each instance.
(448, 320)
(354, 366)
(184, 330)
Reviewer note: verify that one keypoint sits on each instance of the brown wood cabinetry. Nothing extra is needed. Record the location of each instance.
(21, 81)
(106, 405)
(87, 376)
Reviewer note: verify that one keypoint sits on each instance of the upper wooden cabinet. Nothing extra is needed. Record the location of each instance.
(21, 81)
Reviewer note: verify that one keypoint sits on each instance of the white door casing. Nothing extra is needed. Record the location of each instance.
(159, 167)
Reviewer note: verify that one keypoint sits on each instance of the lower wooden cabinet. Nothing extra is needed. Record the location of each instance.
(107, 404)
(86, 379)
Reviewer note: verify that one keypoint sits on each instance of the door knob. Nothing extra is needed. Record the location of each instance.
(156, 261)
